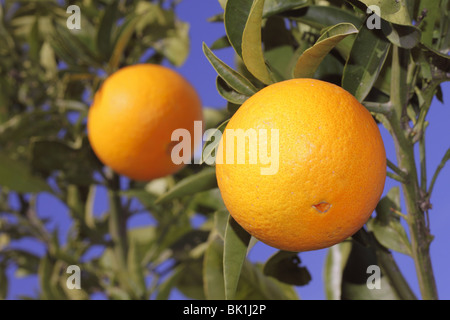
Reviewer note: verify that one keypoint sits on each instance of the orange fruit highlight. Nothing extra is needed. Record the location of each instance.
(331, 170)
(133, 115)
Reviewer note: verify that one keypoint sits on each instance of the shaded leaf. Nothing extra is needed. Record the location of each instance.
(320, 17)
(356, 277)
(403, 36)
(220, 43)
(366, 59)
(273, 7)
(75, 164)
(16, 175)
(236, 243)
(236, 16)
(229, 93)
(104, 33)
(280, 60)
(285, 267)
(310, 60)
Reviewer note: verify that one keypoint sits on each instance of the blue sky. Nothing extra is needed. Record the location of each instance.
(202, 76)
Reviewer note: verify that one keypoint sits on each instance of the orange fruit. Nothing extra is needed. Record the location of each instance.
(331, 169)
(133, 115)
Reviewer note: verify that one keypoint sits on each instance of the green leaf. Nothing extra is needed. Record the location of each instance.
(273, 7)
(136, 269)
(202, 181)
(175, 47)
(392, 11)
(320, 17)
(285, 267)
(236, 16)
(16, 175)
(76, 164)
(252, 52)
(280, 60)
(221, 43)
(34, 41)
(213, 279)
(310, 60)
(236, 243)
(71, 48)
(234, 79)
(47, 59)
(366, 59)
(386, 226)
(403, 36)
(229, 93)
(426, 56)
(49, 276)
(254, 285)
(122, 38)
(221, 218)
(104, 33)
(335, 262)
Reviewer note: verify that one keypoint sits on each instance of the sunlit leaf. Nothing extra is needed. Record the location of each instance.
(310, 60)
(204, 180)
(392, 11)
(335, 262)
(252, 52)
(236, 16)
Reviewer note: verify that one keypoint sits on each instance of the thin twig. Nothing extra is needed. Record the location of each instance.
(441, 165)
(400, 173)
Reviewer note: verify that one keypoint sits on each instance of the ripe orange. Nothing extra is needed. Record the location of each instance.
(332, 166)
(133, 115)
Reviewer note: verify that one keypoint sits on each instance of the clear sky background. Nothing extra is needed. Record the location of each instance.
(200, 73)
